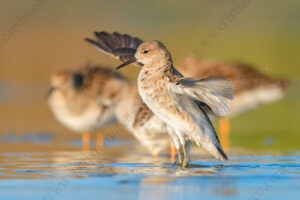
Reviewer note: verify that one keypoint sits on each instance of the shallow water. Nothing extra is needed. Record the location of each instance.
(126, 171)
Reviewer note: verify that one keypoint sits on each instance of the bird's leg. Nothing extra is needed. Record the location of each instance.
(100, 141)
(179, 157)
(86, 139)
(175, 144)
(186, 157)
(224, 132)
(173, 152)
(154, 153)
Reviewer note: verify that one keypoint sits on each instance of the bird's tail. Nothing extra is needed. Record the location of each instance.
(209, 139)
(216, 150)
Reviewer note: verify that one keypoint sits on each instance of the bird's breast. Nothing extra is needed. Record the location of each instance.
(151, 87)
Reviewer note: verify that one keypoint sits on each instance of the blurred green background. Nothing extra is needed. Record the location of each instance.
(50, 37)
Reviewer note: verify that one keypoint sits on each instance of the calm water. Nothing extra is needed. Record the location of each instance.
(126, 171)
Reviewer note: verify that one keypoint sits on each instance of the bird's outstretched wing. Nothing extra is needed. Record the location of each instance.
(120, 46)
(216, 92)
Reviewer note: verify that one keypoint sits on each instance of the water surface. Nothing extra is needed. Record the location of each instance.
(126, 171)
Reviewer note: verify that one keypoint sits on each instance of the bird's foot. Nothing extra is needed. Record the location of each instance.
(177, 163)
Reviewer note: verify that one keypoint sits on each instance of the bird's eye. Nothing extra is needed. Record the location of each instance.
(146, 51)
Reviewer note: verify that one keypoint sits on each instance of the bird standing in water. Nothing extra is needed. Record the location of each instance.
(74, 100)
(181, 103)
(130, 109)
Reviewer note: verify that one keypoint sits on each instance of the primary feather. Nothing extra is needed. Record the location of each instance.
(120, 46)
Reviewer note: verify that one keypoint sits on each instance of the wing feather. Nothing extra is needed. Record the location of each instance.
(216, 92)
(106, 39)
(117, 39)
(122, 47)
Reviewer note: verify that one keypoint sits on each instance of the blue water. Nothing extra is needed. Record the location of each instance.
(104, 175)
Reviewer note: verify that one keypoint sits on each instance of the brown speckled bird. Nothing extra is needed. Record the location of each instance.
(181, 103)
(122, 47)
(74, 100)
(251, 87)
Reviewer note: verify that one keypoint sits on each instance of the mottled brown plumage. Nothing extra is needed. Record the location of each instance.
(143, 115)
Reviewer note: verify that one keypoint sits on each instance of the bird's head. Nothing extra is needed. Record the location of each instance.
(150, 52)
(65, 79)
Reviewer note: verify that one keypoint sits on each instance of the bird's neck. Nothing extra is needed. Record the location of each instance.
(158, 65)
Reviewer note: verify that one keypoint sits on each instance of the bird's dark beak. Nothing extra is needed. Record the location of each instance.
(49, 92)
(132, 60)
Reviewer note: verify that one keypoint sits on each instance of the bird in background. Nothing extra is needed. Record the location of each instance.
(138, 119)
(251, 87)
(74, 100)
(93, 97)
(181, 103)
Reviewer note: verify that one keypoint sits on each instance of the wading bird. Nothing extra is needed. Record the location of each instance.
(181, 103)
(74, 100)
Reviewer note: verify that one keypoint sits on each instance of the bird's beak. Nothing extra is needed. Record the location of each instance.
(49, 92)
(132, 60)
